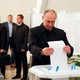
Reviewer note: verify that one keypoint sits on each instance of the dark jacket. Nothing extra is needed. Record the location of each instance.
(3, 37)
(20, 37)
(38, 40)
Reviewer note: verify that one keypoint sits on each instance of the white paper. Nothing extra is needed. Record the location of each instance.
(59, 57)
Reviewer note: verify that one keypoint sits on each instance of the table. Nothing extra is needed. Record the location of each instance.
(42, 71)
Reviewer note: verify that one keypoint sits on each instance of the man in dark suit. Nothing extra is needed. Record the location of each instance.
(20, 39)
(9, 26)
(40, 35)
(3, 39)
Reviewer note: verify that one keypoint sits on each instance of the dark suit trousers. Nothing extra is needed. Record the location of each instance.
(20, 57)
(3, 67)
(3, 70)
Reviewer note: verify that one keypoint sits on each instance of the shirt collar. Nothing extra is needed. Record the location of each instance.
(9, 23)
(43, 29)
(20, 24)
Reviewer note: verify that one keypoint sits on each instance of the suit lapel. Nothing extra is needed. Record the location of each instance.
(7, 26)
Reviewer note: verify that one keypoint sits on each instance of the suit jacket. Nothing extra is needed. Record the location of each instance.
(7, 28)
(3, 37)
(20, 37)
(38, 40)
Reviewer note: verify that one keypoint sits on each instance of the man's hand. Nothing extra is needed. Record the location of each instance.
(2, 51)
(47, 51)
(67, 49)
(23, 50)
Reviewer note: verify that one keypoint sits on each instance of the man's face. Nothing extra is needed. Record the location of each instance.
(19, 20)
(10, 19)
(49, 20)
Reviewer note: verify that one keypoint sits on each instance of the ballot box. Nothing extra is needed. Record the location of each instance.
(46, 72)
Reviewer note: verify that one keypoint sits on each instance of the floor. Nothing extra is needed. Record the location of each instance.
(10, 72)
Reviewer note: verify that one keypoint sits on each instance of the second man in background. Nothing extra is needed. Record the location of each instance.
(19, 45)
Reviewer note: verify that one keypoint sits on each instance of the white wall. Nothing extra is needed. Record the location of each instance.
(70, 23)
(15, 7)
(67, 5)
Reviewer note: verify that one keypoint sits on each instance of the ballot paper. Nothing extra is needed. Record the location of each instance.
(59, 57)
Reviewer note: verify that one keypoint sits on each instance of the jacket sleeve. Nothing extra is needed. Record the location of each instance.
(67, 43)
(3, 38)
(33, 45)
